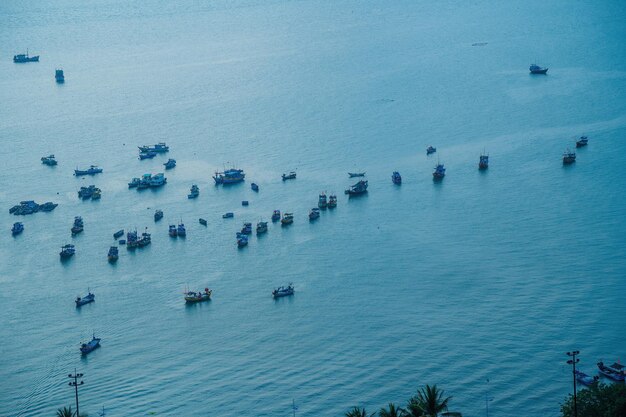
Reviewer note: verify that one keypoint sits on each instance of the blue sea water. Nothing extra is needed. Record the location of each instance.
(485, 276)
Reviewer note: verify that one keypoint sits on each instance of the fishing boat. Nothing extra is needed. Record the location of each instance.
(585, 379)
(536, 69)
(430, 150)
(245, 203)
(182, 232)
(439, 172)
(194, 192)
(171, 163)
(287, 219)
(48, 206)
(396, 178)
(582, 142)
(283, 291)
(97, 194)
(332, 201)
(147, 155)
(158, 148)
(261, 227)
(67, 251)
(228, 215)
(158, 215)
(290, 176)
(134, 183)
(118, 234)
(90, 346)
(242, 240)
(89, 298)
(569, 157)
(229, 176)
(202, 221)
(356, 174)
(196, 297)
(254, 187)
(173, 231)
(17, 228)
(49, 160)
(92, 170)
(322, 201)
(145, 239)
(86, 192)
(616, 372)
(59, 76)
(131, 239)
(358, 188)
(22, 58)
(113, 254)
(246, 229)
(144, 182)
(276, 216)
(483, 162)
(77, 227)
(158, 180)
(314, 213)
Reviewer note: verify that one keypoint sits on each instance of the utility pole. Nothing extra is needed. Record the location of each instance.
(75, 384)
(573, 362)
(487, 399)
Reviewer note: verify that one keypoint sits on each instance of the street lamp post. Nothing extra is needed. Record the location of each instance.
(573, 362)
(75, 384)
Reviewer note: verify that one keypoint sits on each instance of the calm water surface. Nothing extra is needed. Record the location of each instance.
(488, 275)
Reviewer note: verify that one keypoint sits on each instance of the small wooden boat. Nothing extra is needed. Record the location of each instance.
(90, 346)
(396, 178)
(89, 298)
(287, 219)
(246, 229)
(59, 76)
(147, 155)
(113, 254)
(228, 215)
(358, 188)
(67, 251)
(18, 227)
(254, 187)
(290, 176)
(158, 215)
(171, 163)
(430, 150)
(261, 227)
(196, 297)
(202, 221)
(194, 192)
(616, 372)
(242, 240)
(314, 213)
(585, 379)
(483, 162)
(283, 291)
(439, 172)
(276, 216)
(245, 203)
(118, 234)
(332, 201)
(356, 174)
(569, 157)
(322, 201)
(173, 232)
(536, 69)
(582, 142)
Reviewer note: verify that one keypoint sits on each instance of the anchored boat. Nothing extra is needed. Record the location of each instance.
(332, 201)
(314, 213)
(536, 69)
(22, 58)
(158, 215)
(229, 176)
(196, 297)
(158, 148)
(171, 163)
(276, 216)
(358, 188)
(356, 174)
(90, 346)
(194, 192)
(569, 157)
(283, 291)
(616, 372)
(89, 298)
(439, 172)
(585, 379)
(261, 227)
(92, 170)
(322, 201)
(49, 160)
(396, 178)
(290, 176)
(59, 76)
(483, 162)
(287, 219)
(430, 150)
(113, 254)
(582, 142)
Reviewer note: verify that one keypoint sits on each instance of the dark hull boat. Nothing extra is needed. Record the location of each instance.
(197, 297)
(230, 176)
(439, 172)
(59, 76)
(358, 188)
(430, 150)
(67, 251)
(585, 379)
(113, 254)
(483, 162)
(118, 234)
(22, 58)
(290, 176)
(90, 346)
(356, 174)
(159, 148)
(254, 187)
(582, 142)
(92, 170)
(536, 69)
(569, 157)
(17, 228)
(616, 372)
(283, 291)
(158, 215)
(276, 216)
(89, 298)
(396, 178)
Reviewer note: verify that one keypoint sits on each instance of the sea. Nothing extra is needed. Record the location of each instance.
(479, 283)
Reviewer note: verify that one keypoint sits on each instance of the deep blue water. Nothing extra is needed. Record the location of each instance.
(490, 275)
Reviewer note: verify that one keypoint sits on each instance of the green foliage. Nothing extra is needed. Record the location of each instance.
(358, 412)
(429, 400)
(391, 411)
(599, 400)
(65, 412)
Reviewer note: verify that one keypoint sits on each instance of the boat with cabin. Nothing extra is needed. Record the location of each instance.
(254, 187)
(483, 162)
(90, 346)
(229, 176)
(134, 183)
(228, 215)
(536, 69)
(147, 155)
(48, 206)
(276, 216)
(180, 230)
(314, 213)
(246, 229)
(157, 180)
(158, 215)
(67, 251)
(616, 372)
(18, 227)
(439, 172)
(582, 141)
(242, 240)
(22, 58)
(356, 174)
(430, 149)
(287, 219)
(358, 188)
(97, 194)
(332, 201)
(160, 147)
(194, 192)
(86, 192)
(59, 76)
(49, 160)
(77, 227)
(290, 176)
(131, 239)
(197, 297)
(173, 231)
(585, 379)
(145, 239)
(396, 178)
(113, 254)
(89, 298)
(322, 201)
(261, 227)
(92, 170)
(283, 291)
(569, 157)
(171, 163)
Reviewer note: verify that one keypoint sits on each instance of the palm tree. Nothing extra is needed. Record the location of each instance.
(413, 409)
(430, 401)
(391, 411)
(358, 412)
(65, 412)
